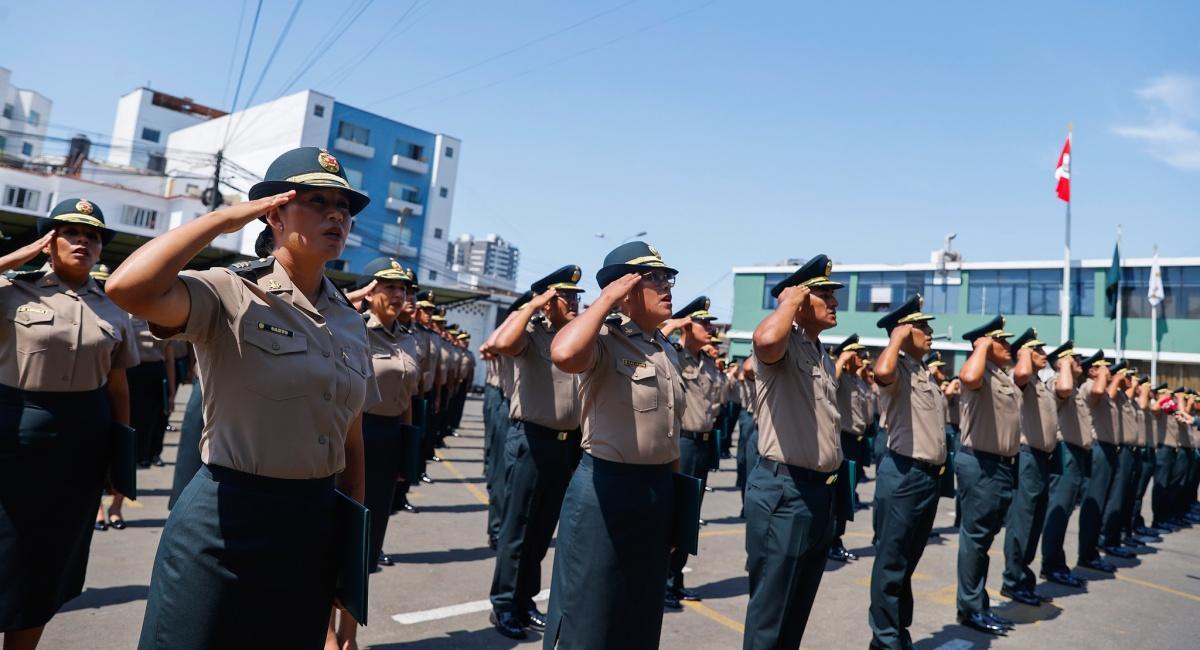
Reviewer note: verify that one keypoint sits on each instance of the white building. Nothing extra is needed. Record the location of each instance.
(23, 120)
(487, 262)
(145, 118)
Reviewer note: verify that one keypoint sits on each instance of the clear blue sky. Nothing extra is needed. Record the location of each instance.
(735, 132)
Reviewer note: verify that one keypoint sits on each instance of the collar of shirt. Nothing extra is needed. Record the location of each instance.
(631, 329)
(51, 279)
(373, 323)
(278, 282)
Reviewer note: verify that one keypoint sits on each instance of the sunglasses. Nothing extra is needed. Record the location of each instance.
(659, 278)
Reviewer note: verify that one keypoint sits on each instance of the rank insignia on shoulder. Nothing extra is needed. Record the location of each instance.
(273, 285)
(252, 265)
(275, 330)
(632, 363)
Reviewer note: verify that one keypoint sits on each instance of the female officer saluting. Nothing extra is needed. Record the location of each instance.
(247, 557)
(64, 348)
(614, 532)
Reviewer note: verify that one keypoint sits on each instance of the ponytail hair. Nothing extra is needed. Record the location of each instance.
(264, 246)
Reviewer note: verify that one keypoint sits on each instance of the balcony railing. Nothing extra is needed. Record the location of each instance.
(404, 207)
(354, 148)
(410, 164)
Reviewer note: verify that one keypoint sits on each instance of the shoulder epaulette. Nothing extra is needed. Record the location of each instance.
(27, 276)
(678, 347)
(613, 319)
(250, 266)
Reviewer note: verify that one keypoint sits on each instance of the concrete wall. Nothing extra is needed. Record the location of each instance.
(22, 131)
(135, 112)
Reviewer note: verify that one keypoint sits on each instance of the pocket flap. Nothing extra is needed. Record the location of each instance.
(31, 314)
(636, 370)
(273, 343)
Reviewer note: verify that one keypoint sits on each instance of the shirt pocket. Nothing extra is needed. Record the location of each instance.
(277, 362)
(643, 385)
(354, 393)
(37, 328)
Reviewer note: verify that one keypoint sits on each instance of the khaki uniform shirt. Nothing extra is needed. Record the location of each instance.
(282, 379)
(1075, 418)
(394, 362)
(543, 394)
(1184, 434)
(1165, 432)
(854, 403)
(1039, 415)
(746, 393)
(1130, 425)
(796, 404)
(427, 355)
(446, 365)
(954, 409)
(914, 413)
(506, 371)
(632, 397)
(991, 420)
(701, 391)
(1101, 415)
(150, 348)
(57, 339)
(491, 375)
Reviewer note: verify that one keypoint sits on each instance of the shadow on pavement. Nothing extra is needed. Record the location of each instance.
(955, 637)
(460, 639)
(144, 523)
(93, 598)
(462, 507)
(727, 588)
(443, 557)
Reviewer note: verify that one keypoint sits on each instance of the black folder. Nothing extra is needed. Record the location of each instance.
(354, 530)
(122, 460)
(686, 532)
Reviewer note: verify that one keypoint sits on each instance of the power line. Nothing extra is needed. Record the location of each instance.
(245, 60)
(287, 27)
(233, 52)
(343, 72)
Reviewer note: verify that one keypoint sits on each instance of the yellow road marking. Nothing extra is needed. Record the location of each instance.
(721, 533)
(479, 494)
(1151, 585)
(712, 614)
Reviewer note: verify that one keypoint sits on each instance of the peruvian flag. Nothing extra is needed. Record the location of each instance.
(1062, 173)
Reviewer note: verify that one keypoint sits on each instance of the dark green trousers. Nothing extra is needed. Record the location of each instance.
(382, 449)
(1145, 473)
(695, 457)
(1116, 508)
(1067, 467)
(906, 498)
(1191, 482)
(1026, 516)
(1179, 475)
(494, 482)
(789, 525)
(1091, 512)
(747, 449)
(1160, 495)
(187, 454)
(985, 488)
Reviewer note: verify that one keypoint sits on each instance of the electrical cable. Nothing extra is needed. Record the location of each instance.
(242, 74)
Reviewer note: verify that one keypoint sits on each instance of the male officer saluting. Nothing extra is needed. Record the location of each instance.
(1069, 464)
(908, 478)
(1039, 422)
(702, 390)
(790, 493)
(985, 466)
(854, 403)
(1104, 465)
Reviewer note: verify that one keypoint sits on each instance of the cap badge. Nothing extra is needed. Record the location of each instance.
(328, 162)
(828, 267)
(920, 302)
(707, 304)
(396, 265)
(83, 207)
(654, 251)
(575, 275)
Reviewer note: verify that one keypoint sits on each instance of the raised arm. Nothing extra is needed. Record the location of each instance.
(147, 283)
(1023, 372)
(509, 338)
(1099, 385)
(26, 252)
(971, 375)
(771, 335)
(889, 358)
(1064, 382)
(574, 347)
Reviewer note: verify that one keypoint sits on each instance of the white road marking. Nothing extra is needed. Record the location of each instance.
(449, 611)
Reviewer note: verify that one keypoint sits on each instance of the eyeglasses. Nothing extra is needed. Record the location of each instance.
(570, 298)
(659, 278)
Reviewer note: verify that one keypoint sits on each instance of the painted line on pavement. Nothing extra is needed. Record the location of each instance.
(412, 618)
(479, 494)
(714, 615)
(1151, 585)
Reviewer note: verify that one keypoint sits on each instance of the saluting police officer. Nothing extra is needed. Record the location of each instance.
(986, 466)
(1114, 505)
(1069, 462)
(1039, 423)
(854, 403)
(610, 562)
(248, 556)
(541, 449)
(1146, 442)
(1133, 417)
(907, 483)
(502, 423)
(701, 394)
(1104, 462)
(1167, 443)
(65, 350)
(790, 494)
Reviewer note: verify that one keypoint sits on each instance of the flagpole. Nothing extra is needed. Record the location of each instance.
(1154, 332)
(1066, 285)
(1120, 352)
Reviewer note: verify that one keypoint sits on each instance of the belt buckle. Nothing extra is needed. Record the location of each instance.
(705, 438)
(831, 480)
(859, 439)
(562, 435)
(1012, 460)
(941, 470)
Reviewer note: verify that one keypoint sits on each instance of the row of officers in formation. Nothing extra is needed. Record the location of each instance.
(590, 416)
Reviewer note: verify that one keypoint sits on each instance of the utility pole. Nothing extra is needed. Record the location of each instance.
(216, 199)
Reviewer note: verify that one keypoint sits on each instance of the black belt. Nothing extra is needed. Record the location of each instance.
(1044, 455)
(798, 473)
(924, 466)
(858, 437)
(986, 455)
(545, 432)
(701, 436)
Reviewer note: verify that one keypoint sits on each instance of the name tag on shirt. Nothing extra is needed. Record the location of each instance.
(275, 330)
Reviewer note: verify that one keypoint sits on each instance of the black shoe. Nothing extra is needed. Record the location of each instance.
(1023, 596)
(492, 543)
(436, 458)
(117, 522)
(999, 620)
(1065, 578)
(143, 464)
(671, 602)
(1117, 551)
(708, 488)
(726, 455)
(1133, 542)
(1165, 527)
(980, 623)
(101, 525)
(1180, 522)
(408, 507)
(1147, 531)
(683, 593)
(535, 619)
(425, 478)
(386, 560)
(703, 523)
(1099, 564)
(1192, 518)
(839, 554)
(375, 569)
(508, 625)
(157, 461)
(933, 534)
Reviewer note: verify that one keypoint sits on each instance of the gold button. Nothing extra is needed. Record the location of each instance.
(670, 435)
(327, 396)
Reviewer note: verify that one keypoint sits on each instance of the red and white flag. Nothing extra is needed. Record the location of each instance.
(1062, 173)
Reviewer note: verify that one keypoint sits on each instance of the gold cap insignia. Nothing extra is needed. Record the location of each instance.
(920, 302)
(83, 207)
(654, 251)
(396, 265)
(575, 275)
(707, 304)
(828, 267)
(328, 162)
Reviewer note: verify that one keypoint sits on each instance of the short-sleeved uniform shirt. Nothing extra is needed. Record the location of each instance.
(991, 415)
(428, 356)
(1164, 430)
(796, 407)
(543, 394)
(913, 412)
(1101, 412)
(746, 394)
(1039, 415)
(855, 403)
(491, 375)
(1075, 418)
(1131, 423)
(631, 399)
(282, 378)
(58, 339)
(394, 362)
(151, 349)
(506, 371)
(701, 391)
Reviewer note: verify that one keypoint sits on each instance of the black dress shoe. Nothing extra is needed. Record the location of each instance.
(386, 560)
(1023, 596)
(101, 525)
(671, 602)
(838, 554)
(1099, 564)
(1165, 527)
(1117, 551)
(998, 619)
(535, 619)
(408, 507)
(157, 461)
(1064, 578)
(117, 522)
(436, 459)
(1147, 531)
(492, 543)
(980, 623)
(508, 625)
(683, 593)
(425, 478)
(1132, 542)
(143, 464)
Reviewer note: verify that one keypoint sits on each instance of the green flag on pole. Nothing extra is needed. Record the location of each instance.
(1112, 284)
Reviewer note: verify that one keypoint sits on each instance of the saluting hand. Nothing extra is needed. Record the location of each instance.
(542, 299)
(27, 252)
(795, 295)
(902, 332)
(357, 295)
(236, 216)
(616, 290)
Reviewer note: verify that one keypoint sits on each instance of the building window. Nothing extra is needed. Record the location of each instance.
(151, 135)
(769, 302)
(355, 177)
(410, 150)
(883, 292)
(1033, 292)
(354, 133)
(3, 143)
(20, 197)
(34, 118)
(437, 233)
(1181, 291)
(443, 192)
(156, 162)
(8, 110)
(404, 192)
(449, 152)
(26, 149)
(139, 217)
(318, 110)
(432, 274)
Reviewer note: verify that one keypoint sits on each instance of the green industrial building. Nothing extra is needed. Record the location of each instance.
(963, 294)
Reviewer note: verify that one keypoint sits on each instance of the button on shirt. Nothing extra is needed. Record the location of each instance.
(701, 391)
(1039, 415)
(393, 360)
(543, 394)
(913, 412)
(60, 339)
(282, 378)
(854, 403)
(991, 415)
(796, 407)
(632, 397)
